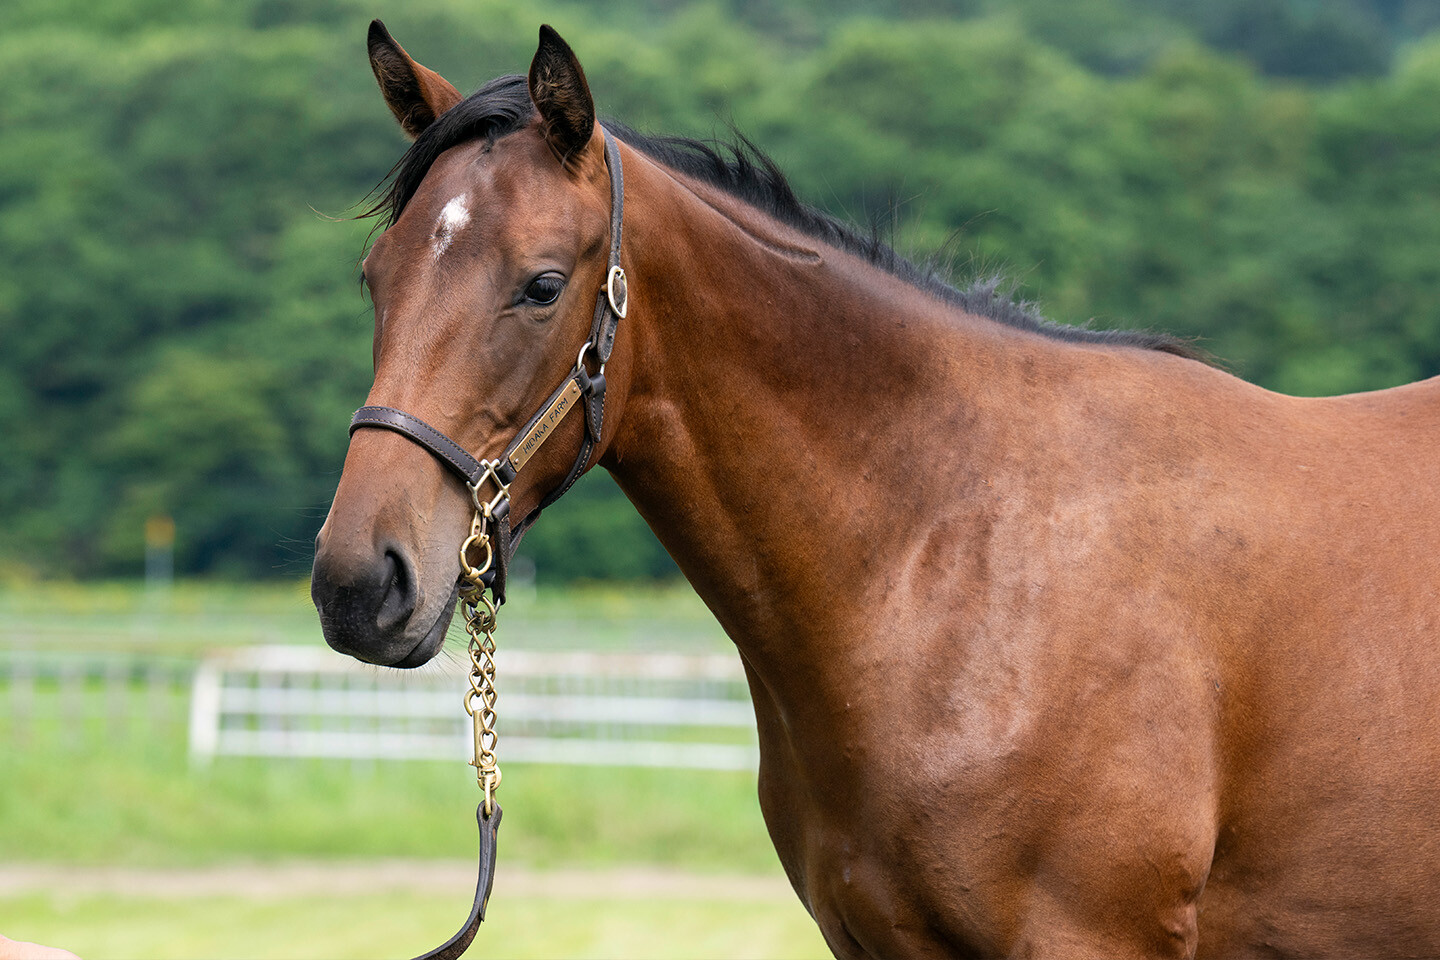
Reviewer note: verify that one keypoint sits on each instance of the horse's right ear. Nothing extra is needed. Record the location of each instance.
(559, 91)
(416, 95)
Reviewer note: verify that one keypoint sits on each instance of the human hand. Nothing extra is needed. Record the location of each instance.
(21, 950)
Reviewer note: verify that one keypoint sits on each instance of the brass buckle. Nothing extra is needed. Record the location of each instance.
(487, 508)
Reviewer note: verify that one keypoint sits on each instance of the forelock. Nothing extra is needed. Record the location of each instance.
(499, 108)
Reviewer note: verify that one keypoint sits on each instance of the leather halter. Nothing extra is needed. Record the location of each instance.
(581, 385)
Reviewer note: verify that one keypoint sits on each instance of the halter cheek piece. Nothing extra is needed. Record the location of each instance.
(580, 388)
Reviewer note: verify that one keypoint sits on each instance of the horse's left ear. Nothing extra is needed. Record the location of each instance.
(558, 87)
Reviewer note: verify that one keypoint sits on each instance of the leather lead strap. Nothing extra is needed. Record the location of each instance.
(452, 949)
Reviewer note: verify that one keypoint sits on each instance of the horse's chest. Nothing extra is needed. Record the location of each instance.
(872, 896)
(877, 866)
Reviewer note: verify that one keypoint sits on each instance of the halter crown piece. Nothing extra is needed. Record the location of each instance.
(490, 530)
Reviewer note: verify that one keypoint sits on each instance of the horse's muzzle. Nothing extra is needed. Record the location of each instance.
(367, 605)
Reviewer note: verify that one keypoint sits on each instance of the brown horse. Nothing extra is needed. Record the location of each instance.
(1061, 643)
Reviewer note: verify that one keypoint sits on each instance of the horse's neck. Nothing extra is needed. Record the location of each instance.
(788, 403)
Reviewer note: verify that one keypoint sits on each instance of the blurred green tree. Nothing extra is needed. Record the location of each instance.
(181, 330)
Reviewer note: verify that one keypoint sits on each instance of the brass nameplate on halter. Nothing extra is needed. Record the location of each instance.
(553, 414)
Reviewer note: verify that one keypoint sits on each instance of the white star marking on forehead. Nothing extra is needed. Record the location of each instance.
(452, 220)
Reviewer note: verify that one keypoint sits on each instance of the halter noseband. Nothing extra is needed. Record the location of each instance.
(580, 388)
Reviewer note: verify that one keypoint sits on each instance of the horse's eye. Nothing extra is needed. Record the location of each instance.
(545, 289)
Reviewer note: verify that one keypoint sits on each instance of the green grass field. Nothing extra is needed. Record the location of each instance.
(81, 792)
(402, 925)
(79, 789)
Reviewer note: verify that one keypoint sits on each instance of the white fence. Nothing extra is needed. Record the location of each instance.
(653, 709)
(77, 700)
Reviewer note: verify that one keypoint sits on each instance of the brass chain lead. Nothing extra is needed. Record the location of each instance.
(479, 613)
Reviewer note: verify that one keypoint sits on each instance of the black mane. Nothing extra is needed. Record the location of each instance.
(742, 170)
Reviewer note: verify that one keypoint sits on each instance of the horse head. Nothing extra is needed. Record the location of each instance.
(497, 225)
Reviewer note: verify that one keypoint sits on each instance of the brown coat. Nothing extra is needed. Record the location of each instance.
(1056, 648)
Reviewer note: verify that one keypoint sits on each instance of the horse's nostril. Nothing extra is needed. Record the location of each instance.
(367, 601)
(397, 601)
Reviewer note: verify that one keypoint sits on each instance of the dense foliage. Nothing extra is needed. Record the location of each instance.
(182, 332)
